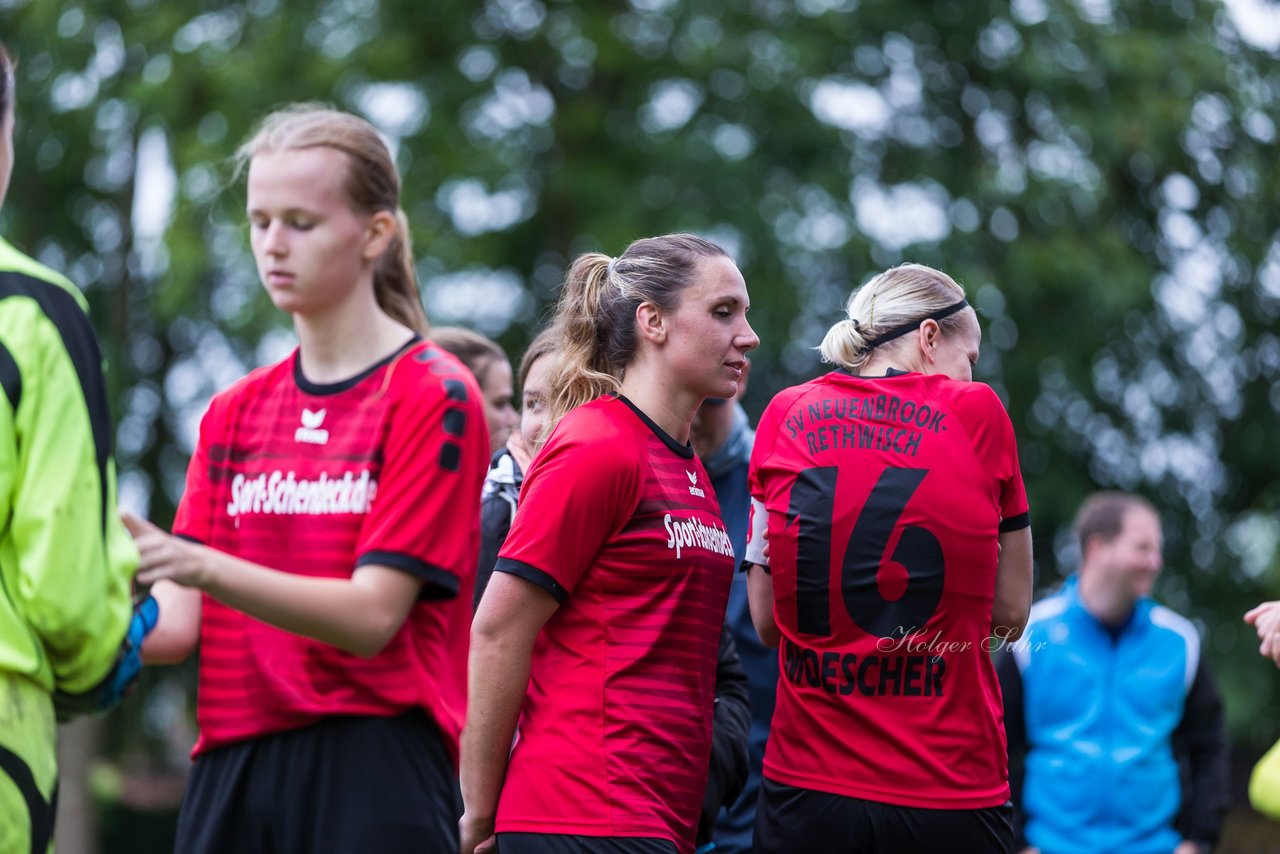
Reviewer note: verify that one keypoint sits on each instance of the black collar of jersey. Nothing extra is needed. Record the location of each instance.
(320, 389)
(685, 451)
(889, 372)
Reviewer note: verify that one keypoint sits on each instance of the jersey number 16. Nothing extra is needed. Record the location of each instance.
(918, 551)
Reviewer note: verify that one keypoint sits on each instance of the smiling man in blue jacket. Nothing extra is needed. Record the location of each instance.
(1108, 695)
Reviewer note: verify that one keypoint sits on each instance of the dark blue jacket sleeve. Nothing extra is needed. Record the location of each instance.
(729, 760)
(1201, 745)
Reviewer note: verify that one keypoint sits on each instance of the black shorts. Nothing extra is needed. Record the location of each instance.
(555, 843)
(346, 785)
(789, 819)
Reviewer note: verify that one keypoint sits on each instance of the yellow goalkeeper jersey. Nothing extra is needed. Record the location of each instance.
(66, 561)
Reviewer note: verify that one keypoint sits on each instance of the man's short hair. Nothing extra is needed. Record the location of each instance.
(1102, 514)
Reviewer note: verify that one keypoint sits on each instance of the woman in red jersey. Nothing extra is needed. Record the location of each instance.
(326, 543)
(599, 630)
(899, 545)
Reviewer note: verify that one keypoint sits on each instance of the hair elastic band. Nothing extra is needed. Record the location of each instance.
(608, 271)
(899, 331)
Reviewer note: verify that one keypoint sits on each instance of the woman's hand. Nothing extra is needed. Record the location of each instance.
(1266, 620)
(163, 555)
(477, 835)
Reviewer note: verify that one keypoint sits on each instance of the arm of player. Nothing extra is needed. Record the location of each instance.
(1012, 603)
(358, 615)
(506, 625)
(74, 561)
(760, 599)
(176, 635)
(759, 580)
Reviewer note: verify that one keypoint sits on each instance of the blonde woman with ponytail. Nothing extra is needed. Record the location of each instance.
(599, 630)
(899, 557)
(325, 548)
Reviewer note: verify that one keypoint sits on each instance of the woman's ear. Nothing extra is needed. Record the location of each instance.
(929, 337)
(651, 323)
(378, 234)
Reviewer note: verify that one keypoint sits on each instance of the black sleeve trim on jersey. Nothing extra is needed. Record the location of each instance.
(746, 565)
(1015, 523)
(82, 347)
(10, 378)
(533, 575)
(438, 583)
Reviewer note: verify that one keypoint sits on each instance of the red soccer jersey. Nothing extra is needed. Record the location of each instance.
(621, 525)
(384, 469)
(885, 500)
